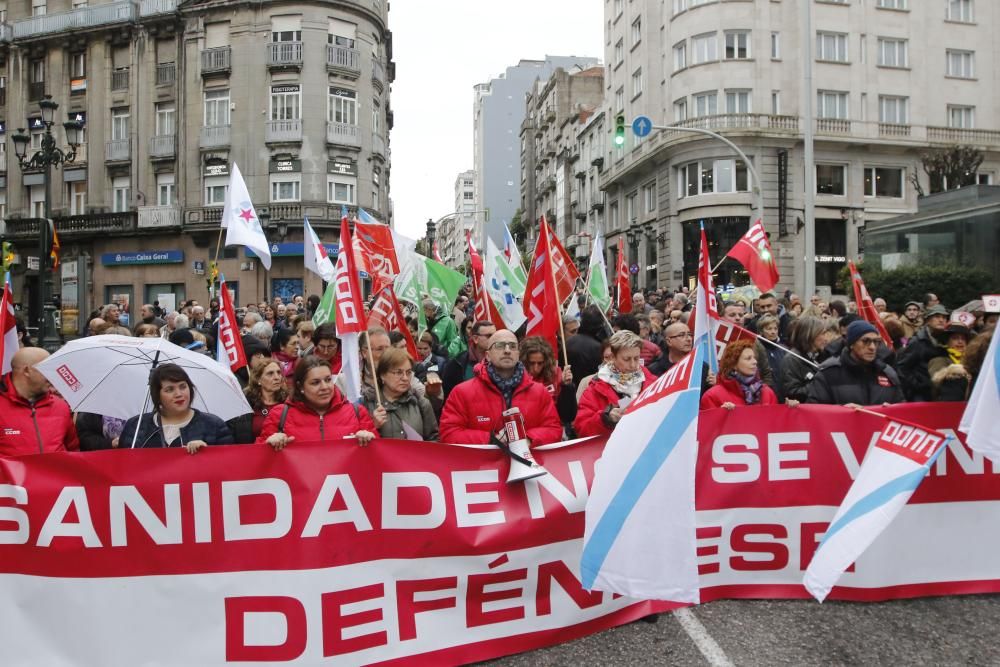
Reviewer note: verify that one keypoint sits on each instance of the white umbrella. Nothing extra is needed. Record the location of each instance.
(109, 375)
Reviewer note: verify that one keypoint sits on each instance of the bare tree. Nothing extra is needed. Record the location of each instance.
(952, 167)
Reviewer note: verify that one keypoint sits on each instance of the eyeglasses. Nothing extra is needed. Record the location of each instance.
(870, 342)
(504, 345)
(686, 334)
(326, 347)
(401, 373)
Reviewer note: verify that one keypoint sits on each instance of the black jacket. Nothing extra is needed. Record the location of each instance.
(420, 367)
(796, 375)
(202, 426)
(456, 371)
(912, 365)
(841, 380)
(90, 430)
(584, 353)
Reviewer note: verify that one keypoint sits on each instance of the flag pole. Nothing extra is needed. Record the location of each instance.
(787, 350)
(215, 262)
(552, 271)
(371, 361)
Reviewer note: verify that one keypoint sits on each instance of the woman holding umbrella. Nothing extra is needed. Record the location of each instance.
(173, 422)
(316, 411)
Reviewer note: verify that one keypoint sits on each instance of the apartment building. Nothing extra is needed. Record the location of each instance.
(891, 80)
(555, 111)
(498, 109)
(171, 95)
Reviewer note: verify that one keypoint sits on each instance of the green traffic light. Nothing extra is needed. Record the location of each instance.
(619, 139)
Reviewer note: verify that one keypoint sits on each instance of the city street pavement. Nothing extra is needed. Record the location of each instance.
(958, 630)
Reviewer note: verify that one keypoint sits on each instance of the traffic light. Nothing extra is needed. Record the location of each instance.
(8, 256)
(620, 130)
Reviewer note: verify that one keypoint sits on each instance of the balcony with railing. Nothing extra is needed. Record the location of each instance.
(378, 75)
(378, 144)
(157, 7)
(893, 130)
(964, 136)
(284, 54)
(117, 150)
(119, 79)
(213, 136)
(162, 146)
(83, 18)
(75, 226)
(343, 60)
(342, 134)
(166, 74)
(5, 32)
(833, 126)
(158, 217)
(283, 130)
(216, 61)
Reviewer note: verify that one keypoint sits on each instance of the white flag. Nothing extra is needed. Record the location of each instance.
(639, 535)
(499, 288)
(979, 421)
(316, 258)
(240, 219)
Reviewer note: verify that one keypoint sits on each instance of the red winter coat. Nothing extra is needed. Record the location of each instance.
(729, 390)
(595, 400)
(306, 425)
(474, 410)
(45, 427)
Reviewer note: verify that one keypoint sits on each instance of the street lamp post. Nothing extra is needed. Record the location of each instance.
(431, 232)
(633, 235)
(46, 157)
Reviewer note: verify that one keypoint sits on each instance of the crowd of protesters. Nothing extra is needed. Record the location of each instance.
(468, 372)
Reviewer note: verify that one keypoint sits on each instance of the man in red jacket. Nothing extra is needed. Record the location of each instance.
(473, 411)
(32, 419)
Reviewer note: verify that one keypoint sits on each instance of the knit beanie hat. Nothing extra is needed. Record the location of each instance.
(857, 329)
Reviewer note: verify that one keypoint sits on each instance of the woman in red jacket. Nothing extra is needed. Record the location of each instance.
(739, 380)
(615, 386)
(316, 411)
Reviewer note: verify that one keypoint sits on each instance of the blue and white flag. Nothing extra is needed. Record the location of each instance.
(893, 468)
(639, 539)
(366, 217)
(979, 421)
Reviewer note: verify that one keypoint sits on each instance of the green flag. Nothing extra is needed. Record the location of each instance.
(425, 277)
(597, 276)
(326, 311)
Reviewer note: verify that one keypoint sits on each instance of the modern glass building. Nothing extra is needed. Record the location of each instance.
(955, 228)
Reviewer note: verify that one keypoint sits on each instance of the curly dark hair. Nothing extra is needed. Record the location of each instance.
(537, 344)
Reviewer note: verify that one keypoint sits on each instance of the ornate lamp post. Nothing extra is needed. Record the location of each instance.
(633, 236)
(46, 157)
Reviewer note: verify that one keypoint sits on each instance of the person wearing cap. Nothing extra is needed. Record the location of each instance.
(912, 319)
(856, 376)
(950, 379)
(925, 346)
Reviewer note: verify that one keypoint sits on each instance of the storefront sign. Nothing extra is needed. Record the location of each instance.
(287, 88)
(283, 166)
(142, 257)
(216, 169)
(293, 249)
(829, 259)
(77, 85)
(342, 167)
(199, 267)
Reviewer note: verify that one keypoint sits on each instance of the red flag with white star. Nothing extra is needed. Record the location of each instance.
(753, 251)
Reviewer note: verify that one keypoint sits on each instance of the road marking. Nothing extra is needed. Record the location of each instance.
(699, 635)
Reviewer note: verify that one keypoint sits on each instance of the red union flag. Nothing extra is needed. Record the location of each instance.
(375, 253)
(726, 332)
(541, 303)
(8, 330)
(485, 309)
(347, 291)
(387, 312)
(622, 284)
(564, 267)
(229, 347)
(866, 307)
(753, 251)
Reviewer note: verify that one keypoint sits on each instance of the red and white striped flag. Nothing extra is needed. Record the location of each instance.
(541, 303)
(8, 327)
(387, 312)
(866, 307)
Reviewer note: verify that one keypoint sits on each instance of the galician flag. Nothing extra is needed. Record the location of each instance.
(893, 468)
(499, 288)
(597, 275)
(639, 535)
(979, 420)
(240, 220)
(706, 311)
(316, 258)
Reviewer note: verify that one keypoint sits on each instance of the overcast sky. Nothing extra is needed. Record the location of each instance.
(442, 48)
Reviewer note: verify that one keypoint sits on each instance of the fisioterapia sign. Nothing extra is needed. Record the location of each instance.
(420, 553)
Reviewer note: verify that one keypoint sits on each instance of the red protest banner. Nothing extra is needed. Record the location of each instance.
(413, 553)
